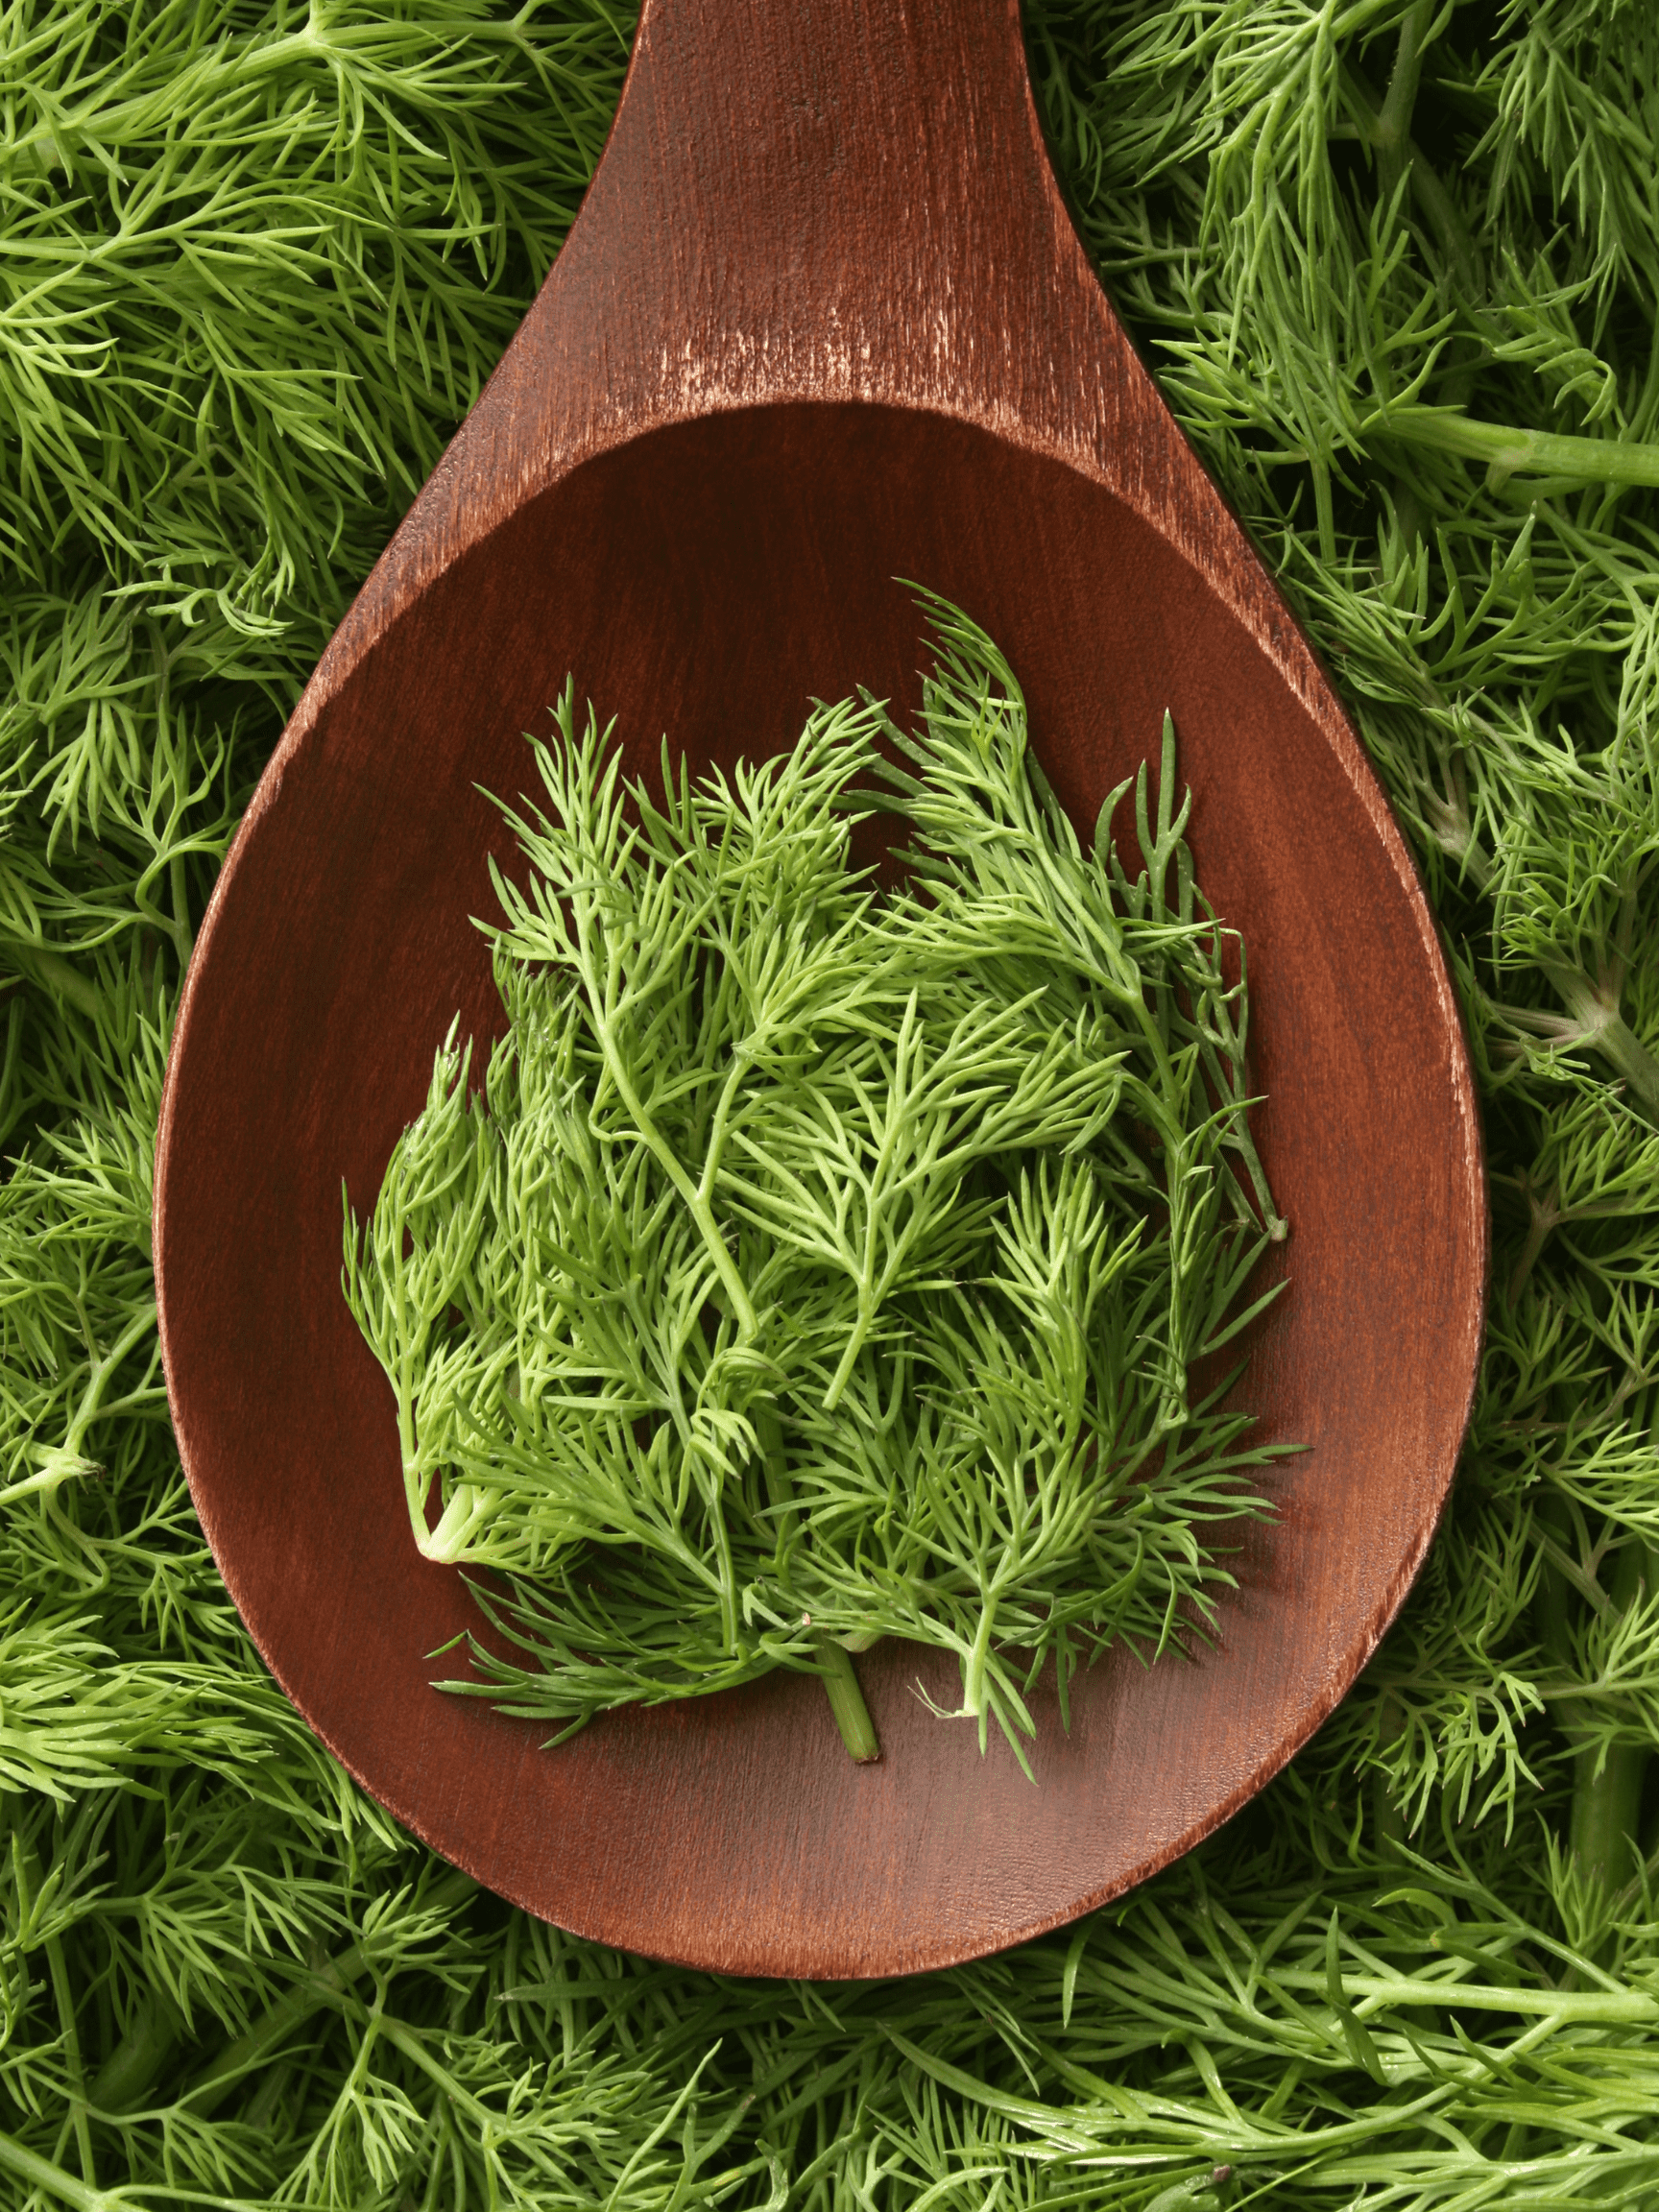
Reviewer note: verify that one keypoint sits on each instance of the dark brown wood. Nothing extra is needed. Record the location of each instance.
(823, 323)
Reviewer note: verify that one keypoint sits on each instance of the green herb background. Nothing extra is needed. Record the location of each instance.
(1398, 271)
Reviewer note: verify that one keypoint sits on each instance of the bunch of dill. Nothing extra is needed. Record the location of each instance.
(1398, 267)
(820, 1266)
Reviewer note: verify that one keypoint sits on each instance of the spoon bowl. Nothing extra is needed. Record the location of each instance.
(822, 322)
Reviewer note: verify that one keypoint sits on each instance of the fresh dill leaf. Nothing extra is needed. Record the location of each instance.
(819, 1265)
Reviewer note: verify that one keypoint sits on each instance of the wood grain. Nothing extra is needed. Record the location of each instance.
(823, 322)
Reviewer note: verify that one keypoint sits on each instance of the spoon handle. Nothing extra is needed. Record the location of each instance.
(846, 197)
(842, 200)
(822, 201)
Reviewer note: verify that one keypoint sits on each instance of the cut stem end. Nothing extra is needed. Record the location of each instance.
(847, 1703)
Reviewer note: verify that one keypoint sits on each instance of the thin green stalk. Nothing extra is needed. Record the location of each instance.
(847, 1702)
(44, 966)
(1596, 1011)
(1544, 1218)
(1514, 452)
(1427, 188)
(183, 936)
(1445, 218)
(1605, 1827)
(1324, 505)
(1552, 1601)
(1387, 131)
(1603, 1833)
(1603, 1823)
(41, 2174)
(139, 2060)
(1389, 1819)
(65, 1462)
(141, 1325)
(1562, 2008)
(741, 1060)
(64, 1995)
(182, 930)
(869, 1286)
(321, 1986)
(26, 1871)
(696, 1203)
(1391, 135)
(780, 1485)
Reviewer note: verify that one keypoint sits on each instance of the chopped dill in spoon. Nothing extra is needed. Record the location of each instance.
(822, 1265)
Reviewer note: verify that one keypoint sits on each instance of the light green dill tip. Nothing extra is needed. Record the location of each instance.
(823, 1265)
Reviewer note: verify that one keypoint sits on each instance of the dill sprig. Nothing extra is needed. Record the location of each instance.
(817, 1265)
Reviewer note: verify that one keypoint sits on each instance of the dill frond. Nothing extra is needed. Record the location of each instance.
(819, 1266)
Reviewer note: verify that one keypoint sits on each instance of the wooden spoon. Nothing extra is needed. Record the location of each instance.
(823, 322)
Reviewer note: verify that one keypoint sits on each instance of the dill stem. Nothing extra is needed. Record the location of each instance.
(1444, 213)
(1399, 153)
(1606, 1810)
(855, 1345)
(183, 936)
(728, 1575)
(1604, 1816)
(57, 973)
(8, 1064)
(1391, 133)
(1596, 1010)
(53, 2181)
(64, 1996)
(1542, 1218)
(1552, 1606)
(1607, 1805)
(1324, 507)
(141, 1325)
(1511, 453)
(1387, 1817)
(1426, 186)
(65, 1460)
(740, 1064)
(324, 1985)
(27, 1870)
(847, 1702)
(779, 1486)
(126, 2076)
(869, 1291)
(1384, 1992)
(44, 1478)
(697, 1205)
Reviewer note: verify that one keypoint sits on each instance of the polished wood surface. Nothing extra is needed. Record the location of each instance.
(823, 322)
